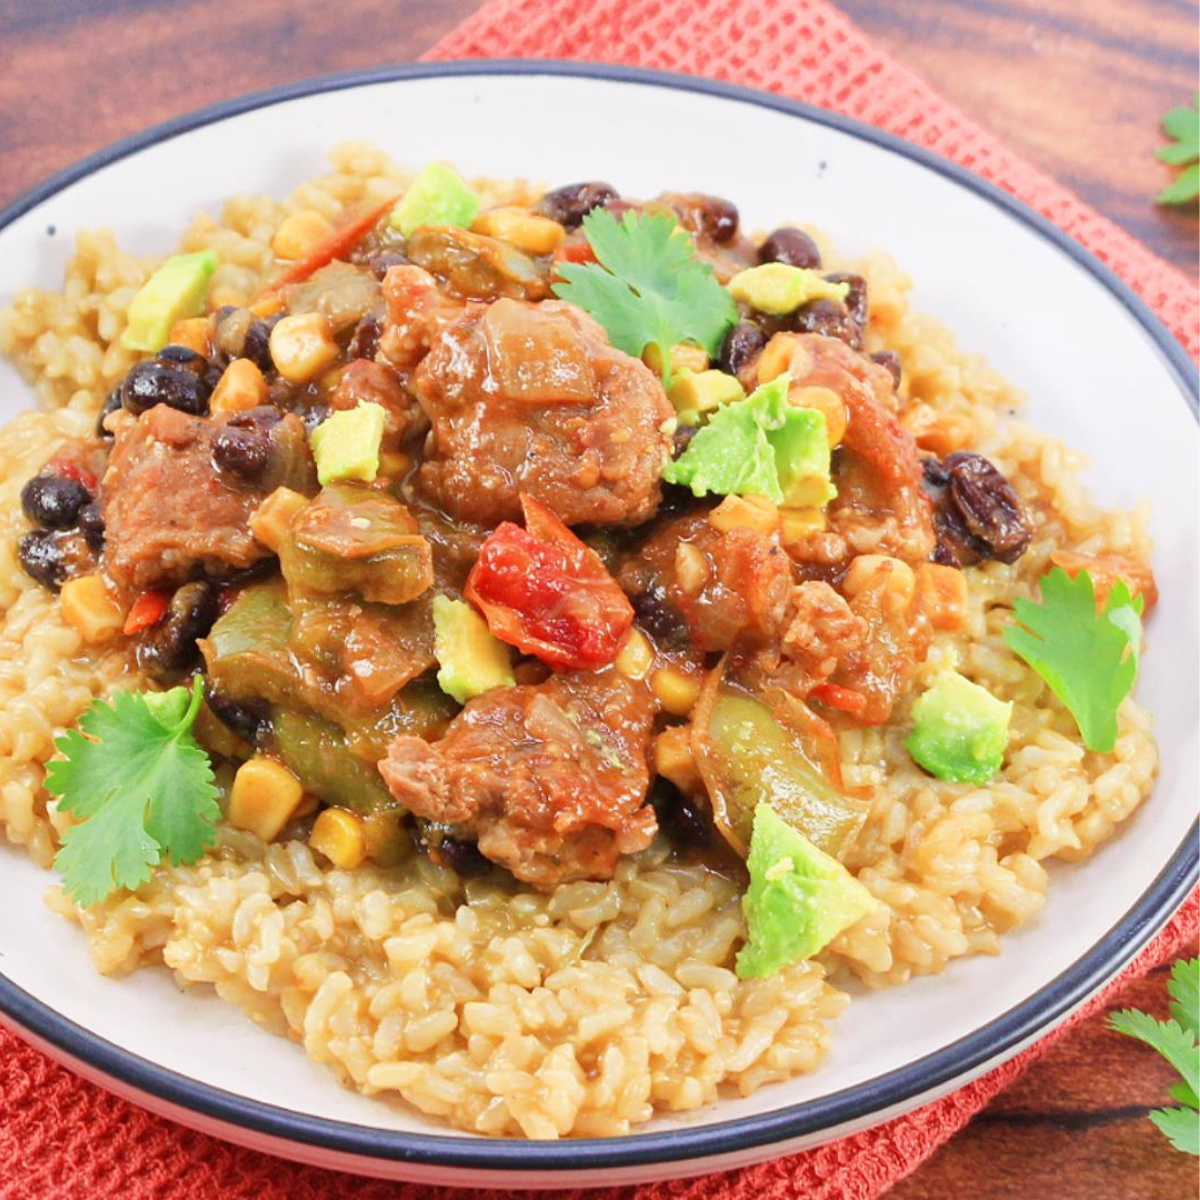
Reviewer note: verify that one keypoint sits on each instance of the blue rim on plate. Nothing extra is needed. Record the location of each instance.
(968, 1055)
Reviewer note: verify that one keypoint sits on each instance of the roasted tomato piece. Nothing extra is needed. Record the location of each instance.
(545, 592)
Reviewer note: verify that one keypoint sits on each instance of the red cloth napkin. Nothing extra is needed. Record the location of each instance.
(63, 1138)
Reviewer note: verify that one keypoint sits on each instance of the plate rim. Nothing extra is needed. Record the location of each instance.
(963, 1059)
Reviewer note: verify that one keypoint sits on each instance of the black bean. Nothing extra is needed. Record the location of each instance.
(111, 403)
(856, 298)
(54, 501)
(570, 204)
(709, 216)
(228, 328)
(183, 356)
(250, 720)
(91, 525)
(382, 262)
(660, 618)
(791, 246)
(241, 452)
(40, 554)
(257, 344)
(150, 383)
(364, 342)
(829, 318)
(741, 344)
(989, 506)
(685, 819)
(462, 857)
(168, 648)
(891, 360)
(682, 438)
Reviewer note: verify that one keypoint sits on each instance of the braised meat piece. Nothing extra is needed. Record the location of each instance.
(691, 582)
(531, 398)
(179, 491)
(367, 382)
(549, 779)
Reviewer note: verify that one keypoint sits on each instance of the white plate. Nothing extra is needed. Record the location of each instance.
(1100, 371)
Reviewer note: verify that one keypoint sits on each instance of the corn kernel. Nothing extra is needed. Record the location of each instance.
(691, 568)
(89, 609)
(799, 524)
(635, 656)
(264, 797)
(869, 570)
(240, 387)
(394, 464)
(521, 228)
(224, 295)
(673, 758)
(676, 690)
(684, 357)
(942, 595)
(272, 519)
(827, 401)
(302, 346)
(192, 333)
(745, 512)
(937, 431)
(338, 835)
(777, 356)
(299, 234)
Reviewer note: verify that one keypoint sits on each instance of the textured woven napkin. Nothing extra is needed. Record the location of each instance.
(61, 1137)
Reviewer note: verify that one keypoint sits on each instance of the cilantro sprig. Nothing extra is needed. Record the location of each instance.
(143, 787)
(1182, 126)
(1088, 658)
(1176, 1041)
(647, 287)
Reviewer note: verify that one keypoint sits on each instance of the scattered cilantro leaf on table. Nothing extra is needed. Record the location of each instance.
(1182, 126)
(1088, 658)
(1176, 1041)
(143, 787)
(647, 287)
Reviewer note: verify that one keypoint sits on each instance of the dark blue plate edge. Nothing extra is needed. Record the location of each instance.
(992, 1043)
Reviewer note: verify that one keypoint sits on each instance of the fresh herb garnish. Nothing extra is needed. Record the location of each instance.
(1176, 1041)
(143, 786)
(649, 288)
(1088, 658)
(1182, 126)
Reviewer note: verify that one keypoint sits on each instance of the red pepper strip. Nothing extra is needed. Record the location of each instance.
(846, 699)
(576, 252)
(147, 610)
(542, 590)
(335, 245)
(70, 470)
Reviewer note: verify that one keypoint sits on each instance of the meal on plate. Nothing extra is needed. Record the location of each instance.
(543, 650)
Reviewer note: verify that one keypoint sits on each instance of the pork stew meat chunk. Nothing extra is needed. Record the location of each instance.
(549, 778)
(532, 399)
(172, 513)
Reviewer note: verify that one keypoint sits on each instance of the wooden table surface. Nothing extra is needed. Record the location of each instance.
(1076, 88)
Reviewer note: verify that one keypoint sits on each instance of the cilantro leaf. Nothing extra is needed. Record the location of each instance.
(1176, 1041)
(1089, 659)
(647, 288)
(1182, 125)
(143, 787)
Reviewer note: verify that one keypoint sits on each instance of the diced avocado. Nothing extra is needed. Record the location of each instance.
(802, 460)
(777, 288)
(356, 539)
(176, 291)
(798, 901)
(471, 661)
(315, 751)
(959, 730)
(694, 392)
(437, 196)
(346, 444)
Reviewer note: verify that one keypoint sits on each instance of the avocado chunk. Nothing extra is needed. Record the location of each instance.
(176, 291)
(346, 444)
(437, 196)
(695, 392)
(471, 661)
(802, 460)
(959, 730)
(778, 288)
(798, 901)
(356, 539)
